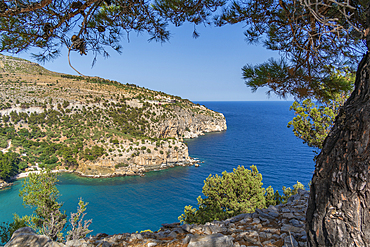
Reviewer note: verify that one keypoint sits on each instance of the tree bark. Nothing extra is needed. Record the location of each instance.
(338, 211)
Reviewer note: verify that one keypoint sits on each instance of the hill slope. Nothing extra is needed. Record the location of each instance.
(93, 126)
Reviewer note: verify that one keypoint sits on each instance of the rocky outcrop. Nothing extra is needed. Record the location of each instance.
(191, 123)
(27, 237)
(281, 225)
(4, 184)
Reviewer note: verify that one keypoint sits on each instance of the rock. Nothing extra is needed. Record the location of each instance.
(27, 237)
(289, 241)
(186, 227)
(172, 225)
(101, 235)
(238, 218)
(214, 240)
(207, 230)
(104, 244)
(296, 223)
(288, 215)
(172, 235)
(290, 228)
(78, 243)
(186, 240)
(256, 221)
(285, 210)
(273, 214)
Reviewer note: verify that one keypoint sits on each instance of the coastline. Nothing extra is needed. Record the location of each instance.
(141, 173)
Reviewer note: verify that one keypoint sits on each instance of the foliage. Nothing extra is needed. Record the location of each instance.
(39, 190)
(79, 228)
(8, 165)
(272, 198)
(225, 196)
(288, 192)
(90, 26)
(234, 193)
(314, 40)
(7, 229)
(312, 122)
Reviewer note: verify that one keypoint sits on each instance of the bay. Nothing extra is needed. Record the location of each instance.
(256, 135)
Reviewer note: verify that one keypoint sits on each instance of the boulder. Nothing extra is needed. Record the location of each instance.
(214, 240)
(26, 236)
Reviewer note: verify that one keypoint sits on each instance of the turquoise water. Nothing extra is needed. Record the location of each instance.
(257, 134)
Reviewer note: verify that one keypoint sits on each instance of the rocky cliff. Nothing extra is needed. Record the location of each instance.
(93, 126)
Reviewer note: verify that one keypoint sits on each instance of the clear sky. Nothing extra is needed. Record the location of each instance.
(204, 69)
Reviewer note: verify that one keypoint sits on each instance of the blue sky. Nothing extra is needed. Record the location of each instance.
(203, 69)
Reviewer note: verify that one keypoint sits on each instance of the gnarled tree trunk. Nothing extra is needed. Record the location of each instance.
(338, 212)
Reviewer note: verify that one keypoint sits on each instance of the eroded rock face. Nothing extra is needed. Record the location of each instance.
(189, 125)
(281, 225)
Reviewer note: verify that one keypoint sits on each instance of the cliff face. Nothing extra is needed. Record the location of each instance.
(94, 126)
(190, 123)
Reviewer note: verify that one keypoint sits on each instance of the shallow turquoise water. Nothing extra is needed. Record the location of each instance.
(257, 134)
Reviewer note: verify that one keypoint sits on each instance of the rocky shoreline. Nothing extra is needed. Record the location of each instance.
(4, 184)
(138, 171)
(281, 225)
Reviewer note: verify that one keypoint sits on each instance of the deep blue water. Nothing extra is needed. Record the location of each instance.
(257, 134)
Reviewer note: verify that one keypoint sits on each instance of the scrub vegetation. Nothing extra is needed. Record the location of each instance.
(232, 194)
(58, 120)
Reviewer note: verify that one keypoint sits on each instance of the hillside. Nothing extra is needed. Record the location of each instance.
(93, 126)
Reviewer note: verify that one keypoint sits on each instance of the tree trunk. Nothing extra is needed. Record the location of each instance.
(338, 211)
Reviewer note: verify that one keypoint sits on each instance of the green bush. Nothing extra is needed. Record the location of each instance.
(228, 195)
(120, 165)
(234, 193)
(8, 165)
(39, 191)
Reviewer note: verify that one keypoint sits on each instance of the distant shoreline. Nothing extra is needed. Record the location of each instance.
(21, 175)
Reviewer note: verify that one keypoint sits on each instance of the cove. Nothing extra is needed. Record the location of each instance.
(257, 134)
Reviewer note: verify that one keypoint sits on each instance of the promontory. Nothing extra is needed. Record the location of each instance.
(92, 126)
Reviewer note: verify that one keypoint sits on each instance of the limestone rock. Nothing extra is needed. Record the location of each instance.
(27, 237)
(214, 240)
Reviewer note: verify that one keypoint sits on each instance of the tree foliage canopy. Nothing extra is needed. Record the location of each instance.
(8, 165)
(91, 25)
(234, 193)
(39, 190)
(225, 196)
(313, 121)
(314, 38)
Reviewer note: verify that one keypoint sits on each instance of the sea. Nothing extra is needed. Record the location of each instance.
(257, 134)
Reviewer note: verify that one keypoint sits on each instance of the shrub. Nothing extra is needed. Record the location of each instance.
(228, 195)
(120, 165)
(234, 193)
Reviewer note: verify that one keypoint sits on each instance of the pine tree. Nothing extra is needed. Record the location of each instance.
(316, 38)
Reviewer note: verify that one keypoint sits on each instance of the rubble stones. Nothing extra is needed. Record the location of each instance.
(281, 225)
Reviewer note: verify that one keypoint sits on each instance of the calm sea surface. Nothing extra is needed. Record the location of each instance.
(257, 134)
